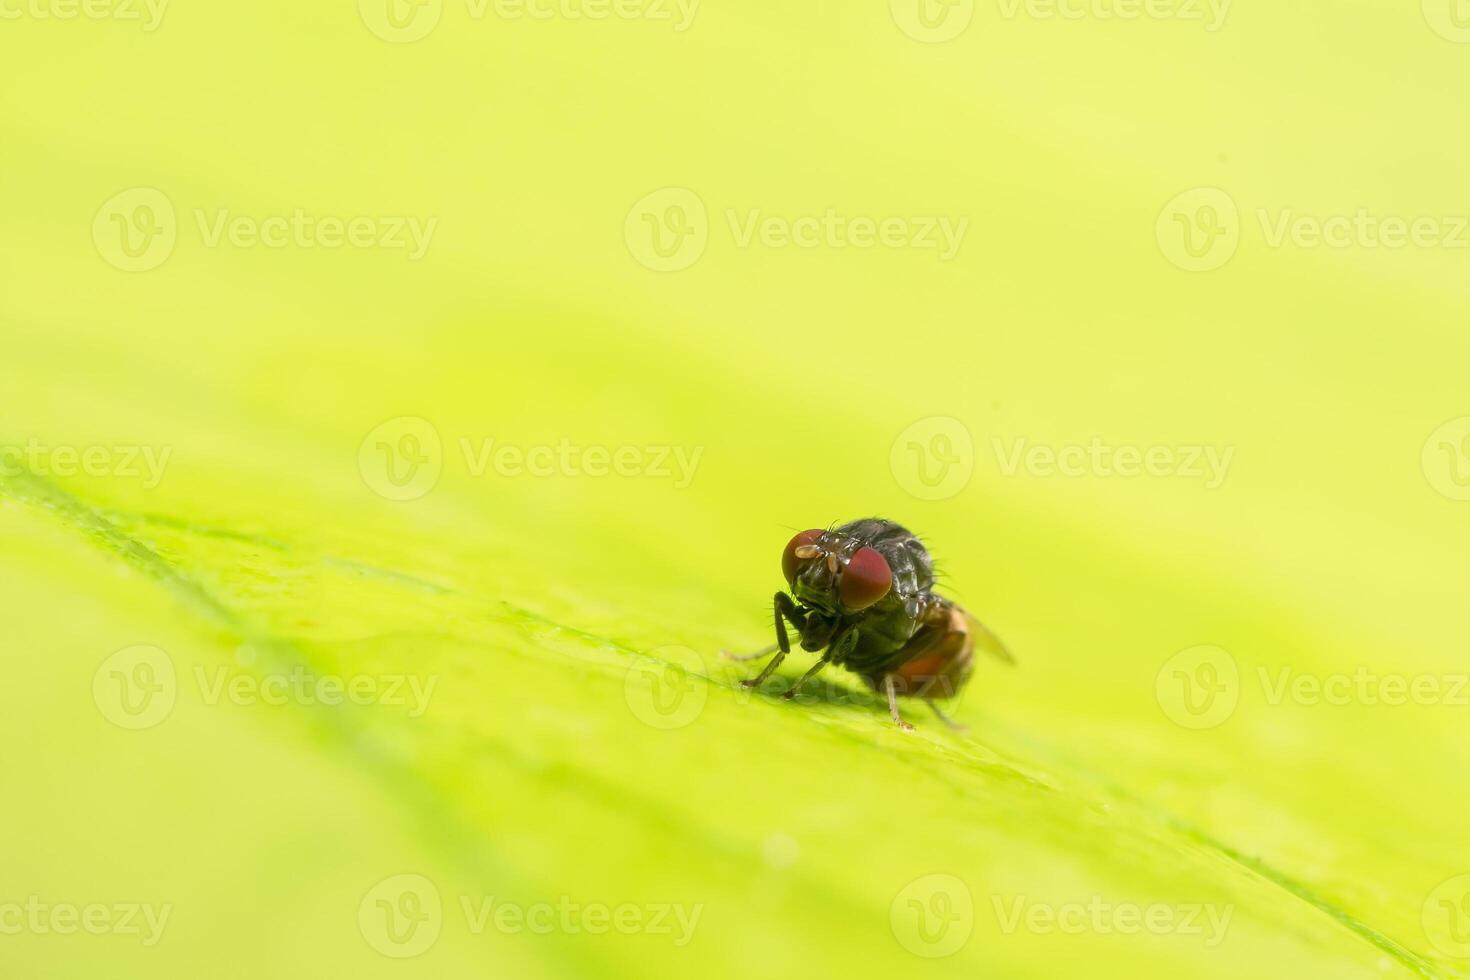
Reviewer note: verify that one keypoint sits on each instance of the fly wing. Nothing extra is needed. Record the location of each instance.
(987, 641)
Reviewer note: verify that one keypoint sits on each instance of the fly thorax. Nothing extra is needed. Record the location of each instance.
(915, 607)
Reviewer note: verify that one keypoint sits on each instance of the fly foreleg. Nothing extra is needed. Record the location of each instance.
(785, 609)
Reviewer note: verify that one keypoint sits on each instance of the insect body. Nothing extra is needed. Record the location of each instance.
(863, 592)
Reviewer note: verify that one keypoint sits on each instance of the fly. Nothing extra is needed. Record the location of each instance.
(863, 593)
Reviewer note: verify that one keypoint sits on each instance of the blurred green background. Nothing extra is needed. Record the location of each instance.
(1149, 318)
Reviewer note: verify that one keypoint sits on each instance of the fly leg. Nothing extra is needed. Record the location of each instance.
(924, 693)
(744, 657)
(804, 678)
(892, 693)
(954, 725)
(785, 609)
(836, 652)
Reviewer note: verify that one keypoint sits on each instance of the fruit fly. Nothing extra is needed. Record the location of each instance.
(863, 592)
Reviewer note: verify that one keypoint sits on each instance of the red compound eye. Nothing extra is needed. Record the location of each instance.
(791, 561)
(866, 579)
